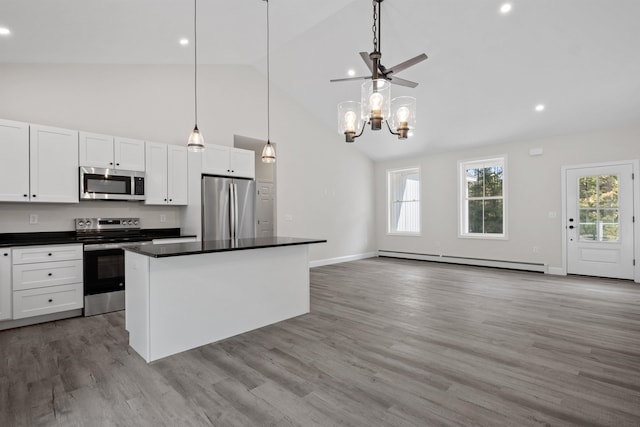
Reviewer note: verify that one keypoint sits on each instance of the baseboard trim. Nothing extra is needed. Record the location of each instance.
(481, 262)
(556, 271)
(338, 260)
(8, 324)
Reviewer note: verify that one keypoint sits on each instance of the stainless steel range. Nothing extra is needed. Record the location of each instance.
(104, 281)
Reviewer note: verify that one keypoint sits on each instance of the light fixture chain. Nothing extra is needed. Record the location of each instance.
(195, 57)
(268, 81)
(374, 28)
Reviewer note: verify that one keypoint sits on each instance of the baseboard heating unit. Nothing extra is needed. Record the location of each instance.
(481, 262)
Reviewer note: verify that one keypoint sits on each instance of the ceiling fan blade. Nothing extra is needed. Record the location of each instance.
(348, 79)
(406, 64)
(367, 60)
(402, 82)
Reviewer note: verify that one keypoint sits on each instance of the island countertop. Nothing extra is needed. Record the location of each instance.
(209, 246)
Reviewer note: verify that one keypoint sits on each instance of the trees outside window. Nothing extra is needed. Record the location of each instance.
(483, 198)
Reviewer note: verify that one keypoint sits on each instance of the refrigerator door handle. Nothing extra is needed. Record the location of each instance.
(232, 212)
(235, 210)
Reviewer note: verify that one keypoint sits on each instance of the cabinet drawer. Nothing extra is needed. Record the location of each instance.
(26, 255)
(30, 276)
(36, 302)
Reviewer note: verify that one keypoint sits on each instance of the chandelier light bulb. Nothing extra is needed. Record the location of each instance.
(350, 119)
(403, 115)
(375, 102)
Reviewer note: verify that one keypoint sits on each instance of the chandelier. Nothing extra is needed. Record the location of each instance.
(376, 105)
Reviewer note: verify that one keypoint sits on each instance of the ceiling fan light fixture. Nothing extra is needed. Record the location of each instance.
(349, 119)
(375, 96)
(403, 118)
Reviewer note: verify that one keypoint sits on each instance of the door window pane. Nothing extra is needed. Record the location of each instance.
(598, 202)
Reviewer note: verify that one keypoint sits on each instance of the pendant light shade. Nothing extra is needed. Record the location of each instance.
(196, 142)
(268, 152)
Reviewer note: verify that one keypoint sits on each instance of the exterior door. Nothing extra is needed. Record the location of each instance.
(265, 203)
(600, 224)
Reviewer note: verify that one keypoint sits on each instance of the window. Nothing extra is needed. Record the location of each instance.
(482, 198)
(403, 194)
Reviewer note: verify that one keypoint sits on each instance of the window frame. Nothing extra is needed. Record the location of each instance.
(463, 206)
(389, 209)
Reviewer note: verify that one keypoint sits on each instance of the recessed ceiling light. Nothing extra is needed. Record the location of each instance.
(505, 8)
(4, 31)
(351, 72)
(540, 107)
(184, 42)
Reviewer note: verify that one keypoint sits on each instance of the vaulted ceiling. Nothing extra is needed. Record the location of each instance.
(485, 73)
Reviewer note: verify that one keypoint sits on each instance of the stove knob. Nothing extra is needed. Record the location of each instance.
(81, 223)
(130, 222)
(88, 223)
(135, 222)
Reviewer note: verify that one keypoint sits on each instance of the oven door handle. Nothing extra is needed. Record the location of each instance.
(105, 246)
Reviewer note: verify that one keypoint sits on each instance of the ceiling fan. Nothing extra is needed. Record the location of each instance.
(372, 60)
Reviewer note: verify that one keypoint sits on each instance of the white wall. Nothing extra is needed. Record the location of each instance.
(325, 186)
(534, 191)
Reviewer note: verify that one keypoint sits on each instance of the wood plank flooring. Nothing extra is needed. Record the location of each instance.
(387, 343)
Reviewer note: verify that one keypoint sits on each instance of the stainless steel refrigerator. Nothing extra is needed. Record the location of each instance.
(228, 208)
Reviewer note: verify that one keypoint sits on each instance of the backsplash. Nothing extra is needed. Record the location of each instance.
(15, 217)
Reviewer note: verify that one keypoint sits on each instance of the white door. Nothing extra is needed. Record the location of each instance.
(600, 228)
(265, 209)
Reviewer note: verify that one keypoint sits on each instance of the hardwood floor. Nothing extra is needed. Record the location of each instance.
(387, 343)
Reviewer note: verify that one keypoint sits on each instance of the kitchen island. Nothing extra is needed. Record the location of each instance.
(185, 295)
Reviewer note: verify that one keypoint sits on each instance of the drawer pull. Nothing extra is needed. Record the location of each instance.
(50, 299)
(50, 274)
(50, 254)
(6, 254)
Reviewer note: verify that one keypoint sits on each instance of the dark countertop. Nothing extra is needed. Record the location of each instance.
(67, 237)
(194, 248)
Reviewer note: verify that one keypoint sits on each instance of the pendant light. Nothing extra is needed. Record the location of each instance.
(268, 152)
(196, 141)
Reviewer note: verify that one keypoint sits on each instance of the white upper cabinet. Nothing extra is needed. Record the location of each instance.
(177, 175)
(166, 178)
(14, 161)
(228, 161)
(128, 154)
(53, 160)
(108, 152)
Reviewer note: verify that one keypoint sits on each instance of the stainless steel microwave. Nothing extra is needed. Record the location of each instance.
(111, 184)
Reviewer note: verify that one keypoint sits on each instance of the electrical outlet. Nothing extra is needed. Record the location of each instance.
(33, 219)
(163, 218)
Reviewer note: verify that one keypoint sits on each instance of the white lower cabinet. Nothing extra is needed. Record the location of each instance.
(46, 279)
(5, 283)
(47, 300)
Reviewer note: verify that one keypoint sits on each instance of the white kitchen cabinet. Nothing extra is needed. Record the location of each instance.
(108, 152)
(46, 279)
(228, 161)
(5, 283)
(53, 160)
(166, 181)
(14, 161)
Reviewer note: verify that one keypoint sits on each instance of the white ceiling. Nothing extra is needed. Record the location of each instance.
(484, 76)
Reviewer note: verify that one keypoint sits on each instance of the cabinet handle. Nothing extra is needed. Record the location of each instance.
(25, 195)
(6, 254)
(50, 299)
(111, 163)
(33, 195)
(50, 254)
(165, 200)
(171, 200)
(50, 274)
(117, 164)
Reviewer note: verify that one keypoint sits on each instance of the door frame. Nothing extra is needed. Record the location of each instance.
(635, 166)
